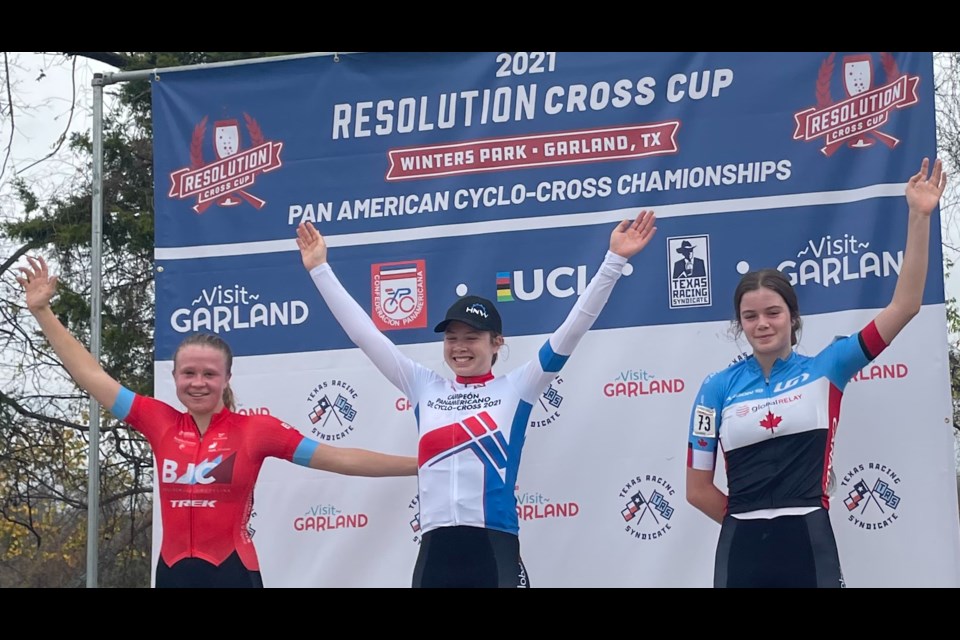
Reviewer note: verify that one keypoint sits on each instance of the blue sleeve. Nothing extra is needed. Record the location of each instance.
(123, 403)
(304, 452)
(705, 418)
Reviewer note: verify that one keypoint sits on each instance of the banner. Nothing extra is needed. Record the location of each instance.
(436, 175)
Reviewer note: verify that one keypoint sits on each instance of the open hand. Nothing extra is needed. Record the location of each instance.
(313, 249)
(38, 283)
(924, 193)
(629, 237)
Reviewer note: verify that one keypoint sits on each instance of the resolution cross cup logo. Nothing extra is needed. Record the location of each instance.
(225, 180)
(856, 119)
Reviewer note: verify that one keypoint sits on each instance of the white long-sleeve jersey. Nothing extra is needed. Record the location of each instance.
(471, 433)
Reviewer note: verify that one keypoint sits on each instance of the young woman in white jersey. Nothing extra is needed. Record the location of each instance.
(775, 415)
(469, 456)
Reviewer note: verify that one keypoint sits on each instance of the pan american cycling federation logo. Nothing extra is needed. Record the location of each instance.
(225, 181)
(830, 260)
(856, 118)
(225, 308)
(332, 409)
(399, 292)
(869, 494)
(646, 508)
(327, 517)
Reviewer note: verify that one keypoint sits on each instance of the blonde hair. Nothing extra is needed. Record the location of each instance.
(214, 342)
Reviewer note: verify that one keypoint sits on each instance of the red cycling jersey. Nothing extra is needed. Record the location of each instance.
(206, 483)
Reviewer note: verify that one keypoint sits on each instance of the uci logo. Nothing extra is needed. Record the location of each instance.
(561, 282)
(792, 382)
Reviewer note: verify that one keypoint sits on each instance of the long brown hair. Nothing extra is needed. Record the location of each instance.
(214, 342)
(776, 282)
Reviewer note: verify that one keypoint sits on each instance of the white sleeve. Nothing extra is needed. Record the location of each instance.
(405, 374)
(533, 378)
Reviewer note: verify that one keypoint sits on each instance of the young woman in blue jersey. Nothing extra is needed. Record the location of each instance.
(208, 457)
(775, 415)
(469, 452)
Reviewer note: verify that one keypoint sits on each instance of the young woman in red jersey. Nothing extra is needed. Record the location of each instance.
(208, 457)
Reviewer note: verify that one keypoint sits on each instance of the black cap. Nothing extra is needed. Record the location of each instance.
(475, 311)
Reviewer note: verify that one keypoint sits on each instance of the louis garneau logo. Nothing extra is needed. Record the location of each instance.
(688, 263)
(855, 120)
(646, 506)
(870, 495)
(225, 181)
(224, 308)
(399, 292)
(332, 409)
(327, 517)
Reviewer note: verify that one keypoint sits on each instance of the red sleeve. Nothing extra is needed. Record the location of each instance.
(151, 417)
(271, 438)
(871, 341)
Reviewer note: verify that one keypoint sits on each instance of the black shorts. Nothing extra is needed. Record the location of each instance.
(465, 557)
(198, 574)
(788, 551)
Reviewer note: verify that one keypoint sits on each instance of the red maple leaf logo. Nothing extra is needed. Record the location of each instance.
(702, 442)
(770, 421)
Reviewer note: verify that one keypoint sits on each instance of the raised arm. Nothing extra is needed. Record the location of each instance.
(626, 240)
(40, 286)
(923, 193)
(398, 368)
(361, 462)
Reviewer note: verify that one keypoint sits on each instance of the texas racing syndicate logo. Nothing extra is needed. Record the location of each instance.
(533, 505)
(546, 410)
(828, 261)
(869, 496)
(332, 409)
(326, 517)
(856, 119)
(234, 171)
(639, 382)
(688, 262)
(414, 514)
(399, 294)
(221, 309)
(646, 506)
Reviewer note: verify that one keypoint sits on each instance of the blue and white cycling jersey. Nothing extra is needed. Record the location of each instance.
(777, 434)
(472, 430)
